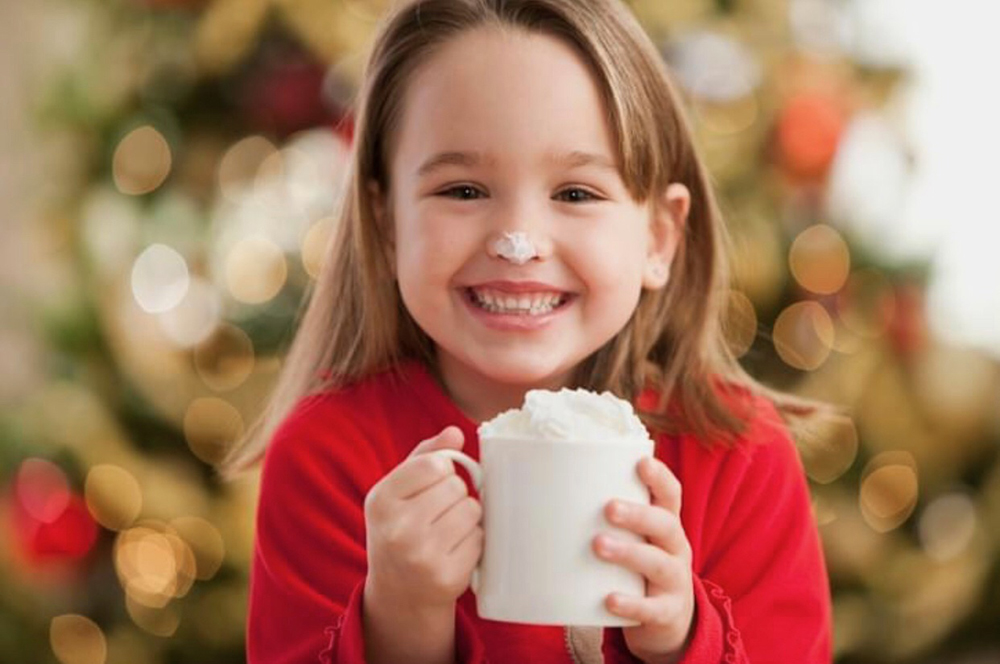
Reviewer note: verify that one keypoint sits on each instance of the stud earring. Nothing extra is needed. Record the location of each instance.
(515, 247)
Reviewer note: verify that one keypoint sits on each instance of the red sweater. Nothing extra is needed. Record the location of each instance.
(761, 594)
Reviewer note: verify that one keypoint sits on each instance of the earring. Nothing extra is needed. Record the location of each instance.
(515, 247)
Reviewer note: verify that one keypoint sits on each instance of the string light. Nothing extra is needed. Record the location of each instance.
(255, 270)
(113, 496)
(141, 161)
(76, 639)
(820, 260)
(803, 335)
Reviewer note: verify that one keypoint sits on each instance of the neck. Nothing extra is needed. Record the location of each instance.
(482, 398)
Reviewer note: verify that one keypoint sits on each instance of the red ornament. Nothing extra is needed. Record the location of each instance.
(808, 133)
(50, 523)
(285, 95)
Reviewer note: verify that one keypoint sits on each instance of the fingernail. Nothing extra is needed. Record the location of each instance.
(608, 545)
(618, 511)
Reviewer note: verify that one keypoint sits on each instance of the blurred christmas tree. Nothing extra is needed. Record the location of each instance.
(207, 138)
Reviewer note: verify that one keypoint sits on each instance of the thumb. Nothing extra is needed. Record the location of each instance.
(451, 437)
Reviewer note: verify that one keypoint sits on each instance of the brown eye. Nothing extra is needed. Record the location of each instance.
(576, 195)
(462, 192)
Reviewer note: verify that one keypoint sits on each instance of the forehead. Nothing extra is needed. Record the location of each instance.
(508, 94)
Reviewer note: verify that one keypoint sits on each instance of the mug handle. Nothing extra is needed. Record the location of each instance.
(476, 472)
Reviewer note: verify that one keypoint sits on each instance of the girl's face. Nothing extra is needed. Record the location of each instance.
(505, 131)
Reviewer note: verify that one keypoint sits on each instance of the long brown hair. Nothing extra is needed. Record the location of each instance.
(356, 324)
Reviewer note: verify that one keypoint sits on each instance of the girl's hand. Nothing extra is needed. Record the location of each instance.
(424, 536)
(664, 560)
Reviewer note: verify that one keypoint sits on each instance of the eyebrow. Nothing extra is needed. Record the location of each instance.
(573, 159)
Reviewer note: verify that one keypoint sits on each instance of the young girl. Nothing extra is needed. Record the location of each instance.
(525, 210)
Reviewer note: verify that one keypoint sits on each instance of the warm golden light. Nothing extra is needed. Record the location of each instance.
(803, 335)
(255, 270)
(828, 448)
(205, 543)
(225, 359)
(146, 565)
(238, 166)
(113, 496)
(141, 162)
(314, 246)
(820, 260)
(889, 490)
(76, 639)
(211, 425)
(162, 621)
(739, 323)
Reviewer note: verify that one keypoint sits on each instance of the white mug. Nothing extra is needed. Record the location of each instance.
(543, 503)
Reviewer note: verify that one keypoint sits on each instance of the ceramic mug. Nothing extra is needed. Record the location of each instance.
(543, 503)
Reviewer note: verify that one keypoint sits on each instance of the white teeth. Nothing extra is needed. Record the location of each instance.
(533, 304)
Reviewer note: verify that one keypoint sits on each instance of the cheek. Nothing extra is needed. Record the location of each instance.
(429, 250)
(611, 259)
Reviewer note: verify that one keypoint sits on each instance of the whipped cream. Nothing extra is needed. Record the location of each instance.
(567, 415)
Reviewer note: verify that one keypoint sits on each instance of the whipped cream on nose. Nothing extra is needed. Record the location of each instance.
(570, 415)
(515, 247)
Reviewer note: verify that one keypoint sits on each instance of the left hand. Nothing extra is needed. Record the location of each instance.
(666, 613)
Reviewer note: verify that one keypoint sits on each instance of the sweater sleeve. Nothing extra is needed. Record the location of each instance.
(309, 558)
(761, 594)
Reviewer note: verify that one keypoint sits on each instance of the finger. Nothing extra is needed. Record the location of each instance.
(658, 567)
(664, 487)
(422, 469)
(433, 501)
(468, 551)
(451, 437)
(454, 525)
(661, 527)
(659, 610)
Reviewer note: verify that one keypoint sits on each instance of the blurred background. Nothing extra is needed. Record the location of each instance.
(168, 169)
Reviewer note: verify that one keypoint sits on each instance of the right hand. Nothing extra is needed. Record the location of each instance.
(424, 533)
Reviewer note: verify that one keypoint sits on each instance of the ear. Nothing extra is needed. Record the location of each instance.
(383, 220)
(668, 219)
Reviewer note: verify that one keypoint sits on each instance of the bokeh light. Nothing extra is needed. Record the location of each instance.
(142, 161)
(889, 490)
(76, 639)
(225, 359)
(239, 165)
(820, 260)
(113, 495)
(206, 544)
(211, 425)
(195, 317)
(947, 525)
(803, 335)
(42, 489)
(160, 279)
(158, 621)
(828, 448)
(315, 245)
(255, 270)
(739, 323)
(154, 564)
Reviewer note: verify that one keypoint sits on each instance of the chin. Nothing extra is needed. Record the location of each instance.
(524, 373)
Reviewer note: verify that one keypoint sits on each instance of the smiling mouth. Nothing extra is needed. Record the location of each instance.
(517, 304)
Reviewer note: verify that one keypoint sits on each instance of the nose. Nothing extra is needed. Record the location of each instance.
(521, 244)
